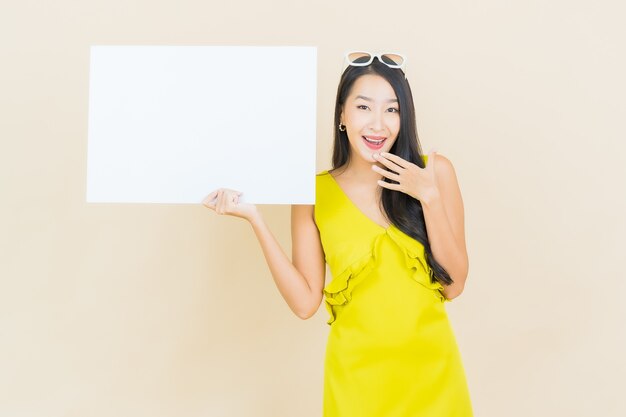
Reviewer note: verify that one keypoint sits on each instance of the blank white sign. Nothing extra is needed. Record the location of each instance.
(170, 124)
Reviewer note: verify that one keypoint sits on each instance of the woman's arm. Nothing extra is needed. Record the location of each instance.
(444, 216)
(436, 187)
(301, 282)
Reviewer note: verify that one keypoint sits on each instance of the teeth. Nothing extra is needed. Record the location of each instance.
(375, 142)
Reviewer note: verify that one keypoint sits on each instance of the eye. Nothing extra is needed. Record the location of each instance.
(361, 105)
(394, 110)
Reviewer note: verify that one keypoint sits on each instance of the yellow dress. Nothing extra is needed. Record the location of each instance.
(391, 351)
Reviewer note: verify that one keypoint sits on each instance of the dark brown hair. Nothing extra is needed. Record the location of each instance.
(402, 210)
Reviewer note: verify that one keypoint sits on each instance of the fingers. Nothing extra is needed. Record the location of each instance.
(222, 200)
(384, 184)
(386, 162)
(209, 200)
(226, 201)
(219, 208)
(394, 158)
(385, 173)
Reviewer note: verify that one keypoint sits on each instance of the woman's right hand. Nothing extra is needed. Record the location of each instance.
(226, 201)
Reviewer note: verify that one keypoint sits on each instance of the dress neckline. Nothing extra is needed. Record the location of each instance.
(354, 206)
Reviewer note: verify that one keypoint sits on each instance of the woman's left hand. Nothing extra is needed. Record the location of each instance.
(419, 183)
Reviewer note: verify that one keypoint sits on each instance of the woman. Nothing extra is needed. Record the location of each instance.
(390, 224)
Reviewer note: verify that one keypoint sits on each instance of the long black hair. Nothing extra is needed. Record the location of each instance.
(402, 210)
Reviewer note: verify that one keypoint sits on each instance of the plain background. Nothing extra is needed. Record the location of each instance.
(170, 310)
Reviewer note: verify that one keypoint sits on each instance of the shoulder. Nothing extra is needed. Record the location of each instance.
(321, 178)
(445, 173)
(444, 169)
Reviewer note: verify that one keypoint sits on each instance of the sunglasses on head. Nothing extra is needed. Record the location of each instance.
(391, 59)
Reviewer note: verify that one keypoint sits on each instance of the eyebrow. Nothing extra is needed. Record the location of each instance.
(391, 100)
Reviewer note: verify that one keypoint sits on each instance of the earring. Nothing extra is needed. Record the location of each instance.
(344, 127)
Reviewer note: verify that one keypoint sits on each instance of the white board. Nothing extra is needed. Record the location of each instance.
(170, 124)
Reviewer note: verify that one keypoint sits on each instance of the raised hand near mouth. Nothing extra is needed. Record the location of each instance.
(419, 183)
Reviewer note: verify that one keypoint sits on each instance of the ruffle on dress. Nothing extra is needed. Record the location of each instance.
(339, 290)
(416, 260)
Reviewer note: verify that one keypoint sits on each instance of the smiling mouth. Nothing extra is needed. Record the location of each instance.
(373, 141)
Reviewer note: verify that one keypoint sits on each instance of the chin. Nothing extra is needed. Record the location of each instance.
(367, 155)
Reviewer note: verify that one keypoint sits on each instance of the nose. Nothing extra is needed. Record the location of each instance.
(377, 121)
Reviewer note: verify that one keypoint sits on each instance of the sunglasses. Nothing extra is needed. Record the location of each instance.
(362, 59)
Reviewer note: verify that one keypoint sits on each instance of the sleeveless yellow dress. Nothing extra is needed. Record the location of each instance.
(391, 351)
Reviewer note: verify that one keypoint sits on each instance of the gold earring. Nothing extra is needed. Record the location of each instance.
(340, 129)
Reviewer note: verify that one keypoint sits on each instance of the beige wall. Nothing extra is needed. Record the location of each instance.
(170, 310)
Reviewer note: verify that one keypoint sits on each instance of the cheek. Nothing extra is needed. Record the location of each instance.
(357, 119)
(393, 121)
(396, 123)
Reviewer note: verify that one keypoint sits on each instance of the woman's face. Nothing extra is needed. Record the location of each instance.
(371, 116)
